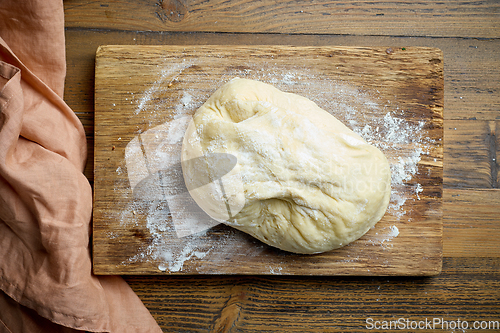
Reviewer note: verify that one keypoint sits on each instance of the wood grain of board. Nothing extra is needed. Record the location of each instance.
(139, 89)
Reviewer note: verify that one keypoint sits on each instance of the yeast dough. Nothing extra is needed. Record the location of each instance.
(303, 182)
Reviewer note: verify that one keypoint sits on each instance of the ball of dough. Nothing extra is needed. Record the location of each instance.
(302, 181)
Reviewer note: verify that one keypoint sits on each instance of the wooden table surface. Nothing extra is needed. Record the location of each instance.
(468, 33)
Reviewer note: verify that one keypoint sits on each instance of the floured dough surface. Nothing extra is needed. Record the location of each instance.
(303, 182)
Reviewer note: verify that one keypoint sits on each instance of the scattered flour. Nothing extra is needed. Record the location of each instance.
(186, 101)
(394, 232)
(275, 270)
(148, 94)
(175, 264)
(418, 189)
(387, 236)
(154, 101)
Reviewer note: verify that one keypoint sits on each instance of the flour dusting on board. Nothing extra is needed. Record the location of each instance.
(153, 165)
(349, 104)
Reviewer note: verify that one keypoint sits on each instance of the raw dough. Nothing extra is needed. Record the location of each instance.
(303, 182)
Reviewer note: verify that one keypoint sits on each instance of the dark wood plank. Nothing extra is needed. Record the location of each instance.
(469, 152)
(468, 288)
(405, 83)
(471, 223)
(407, 18)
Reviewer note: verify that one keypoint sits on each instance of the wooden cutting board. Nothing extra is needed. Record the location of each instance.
(144, 95)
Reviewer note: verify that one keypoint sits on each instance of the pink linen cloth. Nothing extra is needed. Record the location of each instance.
(46, 280)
